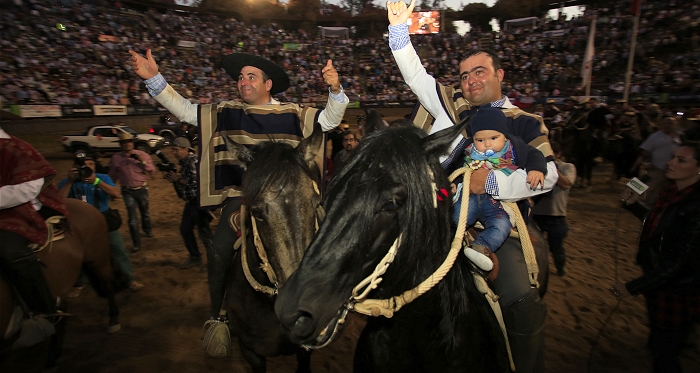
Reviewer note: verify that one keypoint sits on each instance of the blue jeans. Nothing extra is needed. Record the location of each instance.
(132, 200)
(193, 217)
(119, 254)
(557, 229)
(490, 213)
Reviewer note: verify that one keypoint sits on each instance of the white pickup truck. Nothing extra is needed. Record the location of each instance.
(106, 139)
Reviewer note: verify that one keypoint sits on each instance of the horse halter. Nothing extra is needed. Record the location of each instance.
(265, 265)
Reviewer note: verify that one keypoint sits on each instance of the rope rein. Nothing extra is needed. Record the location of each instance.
(387, 307)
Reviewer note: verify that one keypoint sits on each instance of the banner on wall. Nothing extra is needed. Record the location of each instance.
(37, 111)
(109, 110)
(77, 111)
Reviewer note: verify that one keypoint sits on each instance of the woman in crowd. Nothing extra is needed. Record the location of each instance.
(670, 258)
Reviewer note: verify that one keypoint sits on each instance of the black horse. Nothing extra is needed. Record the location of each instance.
(280, 188)
(386, 191)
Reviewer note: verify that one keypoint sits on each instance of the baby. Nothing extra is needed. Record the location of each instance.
(493, 149)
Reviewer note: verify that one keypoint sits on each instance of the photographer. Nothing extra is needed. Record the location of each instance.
(130, 168)
(85, 184)
(186, 186)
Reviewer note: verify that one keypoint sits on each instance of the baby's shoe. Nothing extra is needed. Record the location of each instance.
(483, 258)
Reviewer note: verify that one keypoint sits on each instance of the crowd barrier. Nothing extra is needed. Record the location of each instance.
(88, 111)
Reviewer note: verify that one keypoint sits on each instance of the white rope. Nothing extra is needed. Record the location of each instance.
(387, 307)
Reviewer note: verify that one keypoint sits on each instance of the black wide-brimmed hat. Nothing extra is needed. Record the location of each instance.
(233, 63)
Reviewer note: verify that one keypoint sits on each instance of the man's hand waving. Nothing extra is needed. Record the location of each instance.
(330, 76)
(146, 68)
(398, 12)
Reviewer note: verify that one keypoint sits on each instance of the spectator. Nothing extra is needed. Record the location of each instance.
(669, 259)
(550, 211)
(131, 168)
(657, 150)
(350, 142)
(185, 184)
(96, 189)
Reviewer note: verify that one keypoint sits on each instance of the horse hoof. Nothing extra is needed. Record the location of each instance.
(114, 328)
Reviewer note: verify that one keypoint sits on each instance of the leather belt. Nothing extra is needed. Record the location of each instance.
(135, 188)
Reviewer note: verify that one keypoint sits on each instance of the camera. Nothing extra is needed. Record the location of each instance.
(83, 171)
(165, 165)
(360, 118)
(135, 156)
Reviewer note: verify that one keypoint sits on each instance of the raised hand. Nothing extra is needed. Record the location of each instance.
(398, 13)
(146, 68)
(330, 76)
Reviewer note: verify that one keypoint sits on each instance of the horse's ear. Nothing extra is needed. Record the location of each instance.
(238, 151)
(311, 148)
(438, 143)
(374, 121)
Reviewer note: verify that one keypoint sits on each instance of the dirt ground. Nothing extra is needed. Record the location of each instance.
(162, 324)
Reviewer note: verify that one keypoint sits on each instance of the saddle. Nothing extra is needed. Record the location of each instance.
(56, 231)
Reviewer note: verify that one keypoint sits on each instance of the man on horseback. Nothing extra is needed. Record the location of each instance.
(481, 77)
(258, 118)
(27, 198)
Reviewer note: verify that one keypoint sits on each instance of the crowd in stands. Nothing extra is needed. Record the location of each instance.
(76, 53)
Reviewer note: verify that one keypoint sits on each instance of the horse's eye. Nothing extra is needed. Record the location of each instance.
(257, 214)
(389, 206)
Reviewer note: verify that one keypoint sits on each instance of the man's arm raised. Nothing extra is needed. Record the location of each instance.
(331, 116)
(147, 69)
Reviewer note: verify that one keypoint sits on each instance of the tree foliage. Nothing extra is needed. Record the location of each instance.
(477, 14)
(308, 10)
(355, 7)
(509, 9)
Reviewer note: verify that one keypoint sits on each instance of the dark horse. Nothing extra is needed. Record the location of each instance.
(85, 246)
(281, 194)
(386, 190)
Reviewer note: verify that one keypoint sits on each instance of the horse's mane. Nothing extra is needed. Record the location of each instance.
(275, 165)
(387, 159)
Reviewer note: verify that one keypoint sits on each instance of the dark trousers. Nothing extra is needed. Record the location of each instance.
(22, 269)
(665, 346)
(193, 217)
(557, 229)
(134, 199)
(524, 312)
(220, 257)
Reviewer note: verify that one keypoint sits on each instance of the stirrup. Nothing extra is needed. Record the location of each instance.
(217, 339)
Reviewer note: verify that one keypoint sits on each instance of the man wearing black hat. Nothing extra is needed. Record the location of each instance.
(258, 118)
(442, 106)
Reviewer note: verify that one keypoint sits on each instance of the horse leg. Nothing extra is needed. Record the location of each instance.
(256, 362)
(55, 347)
(102, 279)
(303, 361)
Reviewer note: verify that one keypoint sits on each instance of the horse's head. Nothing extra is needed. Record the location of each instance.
(387, 189)
(281, 192)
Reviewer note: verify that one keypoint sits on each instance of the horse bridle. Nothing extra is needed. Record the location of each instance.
(262, 254)
(387, 307)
